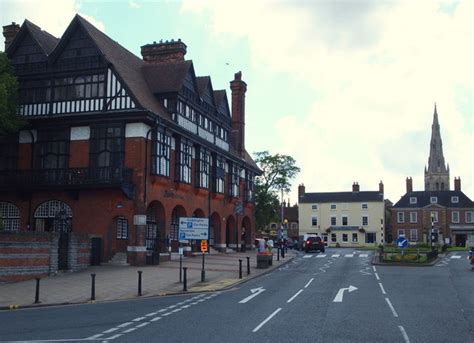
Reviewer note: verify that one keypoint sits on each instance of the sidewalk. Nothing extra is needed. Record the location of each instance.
(114, 282)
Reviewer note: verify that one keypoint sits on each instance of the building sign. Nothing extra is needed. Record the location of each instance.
(193, 228)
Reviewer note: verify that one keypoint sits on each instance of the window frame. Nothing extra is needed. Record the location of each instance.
(161, 153)
(457, 221)
(413, 217)
(184, 161)
(366, 221)
(121, 228)
(400, 217)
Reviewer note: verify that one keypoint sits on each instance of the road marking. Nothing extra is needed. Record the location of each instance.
(172, 306)
(124, 324)
(340, 294)
(162, 310)
(363, 255)
(373, 267)
(138, 319)
(185, 306)
(255, 292)
(266, 320)
(395, 314)
(95, 336)
(335, 255)
(320, 256)
(311, 280)
(166, 314)
(404, 333)
(112, 337)
(150, 314)
(377, 276)
(456, 256)
(307, 256)
(130, 330)
(155, 319)
(110, 330)
(176, 310)
(143, 324)
(294, 296)
(195, 303)
(349, 255)
(381, 287)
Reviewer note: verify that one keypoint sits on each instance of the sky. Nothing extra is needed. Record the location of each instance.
(347, 88)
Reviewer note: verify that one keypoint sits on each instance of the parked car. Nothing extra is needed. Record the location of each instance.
(314, 244)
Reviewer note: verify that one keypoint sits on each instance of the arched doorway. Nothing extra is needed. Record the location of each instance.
(246, 233)
(215, 230)
(176, 213)
(155, 239)
(56, 216)
(230, 231)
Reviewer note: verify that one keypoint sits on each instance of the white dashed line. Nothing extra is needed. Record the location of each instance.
(155, 319)
(130, 330)
(150, 314)
(309, 282)
(162, 310)
(143, 324)
(95, 336)
(266, 320)
(381, 287)
(138, 319)
(377, 276)
(166, 314)
(185, 306)
(395, 314)
(176, 310)
(404, 333)
(294, 296)
(112, 337)
(125, 324)
(110, 330)
(373, 267)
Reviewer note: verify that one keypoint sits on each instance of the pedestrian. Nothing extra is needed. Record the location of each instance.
(270, 244)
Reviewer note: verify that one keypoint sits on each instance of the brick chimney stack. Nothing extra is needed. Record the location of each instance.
(301, 191)
(355, 187)
(238, 88)
(409, 183)
(9, 32)
(164, 52)
(381, 188)
(457, 184)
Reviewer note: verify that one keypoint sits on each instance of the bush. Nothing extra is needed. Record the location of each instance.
(338, 245)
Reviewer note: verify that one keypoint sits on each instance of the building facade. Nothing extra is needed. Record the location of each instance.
(289, 227)
(346, 219)
(441, 216)
(120, 147)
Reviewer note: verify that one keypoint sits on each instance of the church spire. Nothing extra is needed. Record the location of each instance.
(436, 175)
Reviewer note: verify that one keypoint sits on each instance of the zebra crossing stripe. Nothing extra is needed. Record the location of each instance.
(307, 256)
(320, 256)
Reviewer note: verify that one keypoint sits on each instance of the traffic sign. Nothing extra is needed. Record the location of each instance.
(203, 245)
(402, 242)
(193, 228)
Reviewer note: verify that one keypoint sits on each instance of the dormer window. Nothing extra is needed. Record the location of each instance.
(413, 200)
(454, 199)
(434, 200)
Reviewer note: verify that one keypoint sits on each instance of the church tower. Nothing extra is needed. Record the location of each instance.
(437, 174)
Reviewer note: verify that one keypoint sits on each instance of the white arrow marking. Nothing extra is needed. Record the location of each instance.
(255, 292)
(340, 293)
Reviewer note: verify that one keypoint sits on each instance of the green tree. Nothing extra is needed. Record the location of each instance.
(278, 171)
(10, 122)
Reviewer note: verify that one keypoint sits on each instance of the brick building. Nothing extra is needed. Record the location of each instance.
(119, 148)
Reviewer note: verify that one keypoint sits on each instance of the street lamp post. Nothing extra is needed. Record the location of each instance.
(432, 230)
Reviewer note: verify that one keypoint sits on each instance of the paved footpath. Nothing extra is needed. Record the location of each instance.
(116, 282)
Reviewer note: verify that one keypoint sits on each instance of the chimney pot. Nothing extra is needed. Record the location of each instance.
(409, 184)
(164, 52)
(10, 32)
(457, 184)
(355, 187)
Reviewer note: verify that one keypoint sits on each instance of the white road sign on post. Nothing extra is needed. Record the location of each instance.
(193, 228)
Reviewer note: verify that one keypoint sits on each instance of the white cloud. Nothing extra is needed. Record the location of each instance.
(378, 68)
(134, 4)
(53, 18)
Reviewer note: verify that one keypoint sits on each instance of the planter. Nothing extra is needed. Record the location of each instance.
(264, 261)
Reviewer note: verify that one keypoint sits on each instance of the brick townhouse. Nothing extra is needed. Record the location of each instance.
(119, 147)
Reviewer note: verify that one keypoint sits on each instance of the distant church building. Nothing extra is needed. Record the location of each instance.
(437, 173)
(437, 214)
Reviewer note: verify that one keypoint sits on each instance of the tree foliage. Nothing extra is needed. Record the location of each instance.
(278, 171)
(9, 121)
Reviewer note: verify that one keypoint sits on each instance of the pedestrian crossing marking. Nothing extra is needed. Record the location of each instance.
(335, 255)
(307, 256)
(456, 256)
(364, 255)
(320, 256)
(349, 255)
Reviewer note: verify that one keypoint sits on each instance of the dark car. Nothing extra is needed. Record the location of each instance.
(314, 244)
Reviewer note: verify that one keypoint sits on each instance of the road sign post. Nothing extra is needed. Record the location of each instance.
(402, 243)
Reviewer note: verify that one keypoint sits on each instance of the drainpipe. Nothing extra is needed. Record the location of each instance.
(145, 178)
(31, 169)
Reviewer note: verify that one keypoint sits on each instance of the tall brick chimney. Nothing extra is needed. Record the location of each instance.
(301, 191)
(381, 188)
(9, 32)
(457, 184)
(238, 88)
(355, 187)
(163, 52)
(409, 183)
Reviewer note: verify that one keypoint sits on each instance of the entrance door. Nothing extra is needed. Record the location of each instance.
(460, 240)
(62, 225)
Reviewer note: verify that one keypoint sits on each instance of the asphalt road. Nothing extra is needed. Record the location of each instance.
(334, 297)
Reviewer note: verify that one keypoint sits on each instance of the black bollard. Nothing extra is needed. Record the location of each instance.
(278, 253)
(37, 293)
(283, 252)
(248, 265)
(203, 272)
(185, 281)
(180, 268)
(140, 283)
(240, 269)
(93, 287)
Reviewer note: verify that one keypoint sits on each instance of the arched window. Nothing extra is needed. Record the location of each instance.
(53, 215)
(10, 215)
